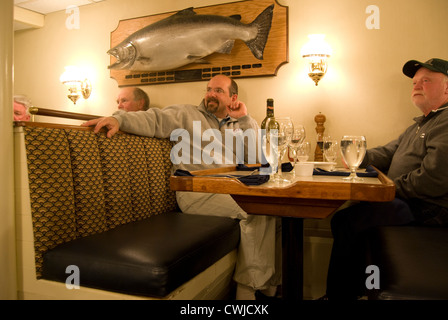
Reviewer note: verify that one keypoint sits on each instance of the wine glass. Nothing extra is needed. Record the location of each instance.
(270, 154)
(296, 140)
(303, 152)
(330, 150)
(278, 132)
(353, 149)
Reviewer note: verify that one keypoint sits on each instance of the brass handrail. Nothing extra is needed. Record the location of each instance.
(60, 114)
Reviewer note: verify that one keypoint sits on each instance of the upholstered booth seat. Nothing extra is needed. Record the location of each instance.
(413, 263)
(105, 206)
(150, 257)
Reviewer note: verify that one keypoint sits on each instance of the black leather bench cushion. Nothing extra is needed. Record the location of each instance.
(413, 262)
(151, 257)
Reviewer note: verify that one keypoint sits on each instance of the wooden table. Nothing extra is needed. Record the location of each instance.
(306, 197)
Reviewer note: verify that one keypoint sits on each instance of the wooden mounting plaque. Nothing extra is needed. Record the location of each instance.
(239, 63)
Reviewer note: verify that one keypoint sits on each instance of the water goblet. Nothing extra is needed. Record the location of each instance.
(270, 154)
(353, 150)
(303, 152)
(330, 150)
(279, 132)
(296, 140)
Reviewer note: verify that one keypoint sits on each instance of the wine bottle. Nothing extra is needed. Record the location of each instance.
(268, 156)
(269, 112)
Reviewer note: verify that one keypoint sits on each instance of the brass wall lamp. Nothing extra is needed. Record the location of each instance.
(77, 83)
(317, 52)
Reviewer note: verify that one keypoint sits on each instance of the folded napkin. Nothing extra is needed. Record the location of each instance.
(370, 172)
(259, 178)
(243, 167)
(183, 173)
(254, 180)
(250, 180)
(286, 167)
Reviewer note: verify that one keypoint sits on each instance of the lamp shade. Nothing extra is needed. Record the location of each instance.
(71, 75)
(316, 46)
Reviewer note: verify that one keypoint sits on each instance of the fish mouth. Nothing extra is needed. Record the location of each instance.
(125, 56)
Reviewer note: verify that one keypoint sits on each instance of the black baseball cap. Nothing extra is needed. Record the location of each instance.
(437, 65)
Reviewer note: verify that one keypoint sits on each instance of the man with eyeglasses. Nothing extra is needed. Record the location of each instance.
(258, 266)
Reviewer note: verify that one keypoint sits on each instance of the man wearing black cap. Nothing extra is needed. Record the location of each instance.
(416, 162)
(430, 80)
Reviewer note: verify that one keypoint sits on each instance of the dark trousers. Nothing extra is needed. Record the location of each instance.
(346, 275)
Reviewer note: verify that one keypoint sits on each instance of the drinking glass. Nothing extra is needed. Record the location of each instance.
(270, 154)
(353, 150)
(330, 150)
(296, 140)
(303, 152)
(278, 132)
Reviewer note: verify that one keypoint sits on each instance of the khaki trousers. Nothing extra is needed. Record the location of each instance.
(259, 254)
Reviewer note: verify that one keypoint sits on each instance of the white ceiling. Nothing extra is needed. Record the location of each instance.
(48, 6)
(37, 9)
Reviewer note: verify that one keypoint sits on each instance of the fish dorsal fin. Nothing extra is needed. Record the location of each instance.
(185, 13)
(236, 17)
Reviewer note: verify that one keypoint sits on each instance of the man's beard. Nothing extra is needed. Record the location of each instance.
(211, 109)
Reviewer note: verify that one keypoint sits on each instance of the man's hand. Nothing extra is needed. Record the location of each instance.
(237, 109)
(110, 123)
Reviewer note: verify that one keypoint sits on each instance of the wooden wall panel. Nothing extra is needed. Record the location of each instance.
(238, 64)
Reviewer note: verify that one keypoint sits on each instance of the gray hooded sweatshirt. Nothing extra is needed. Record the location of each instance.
(202, 141)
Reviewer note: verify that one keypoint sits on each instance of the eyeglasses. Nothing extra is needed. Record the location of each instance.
(215, 90)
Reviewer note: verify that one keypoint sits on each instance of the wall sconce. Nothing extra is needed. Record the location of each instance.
(76, 83)
(316, 51)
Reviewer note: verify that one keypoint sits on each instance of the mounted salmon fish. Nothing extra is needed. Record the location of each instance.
(187, 37)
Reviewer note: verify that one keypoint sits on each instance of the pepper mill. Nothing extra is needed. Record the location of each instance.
(320, 120)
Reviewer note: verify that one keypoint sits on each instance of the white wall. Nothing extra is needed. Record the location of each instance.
(364, 91)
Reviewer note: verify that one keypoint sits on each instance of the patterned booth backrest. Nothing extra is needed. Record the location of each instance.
(83, 183)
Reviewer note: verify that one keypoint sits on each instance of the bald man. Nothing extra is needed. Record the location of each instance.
(132, 99)
(258, 266)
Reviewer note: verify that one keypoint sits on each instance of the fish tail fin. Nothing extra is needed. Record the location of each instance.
(263, 23)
